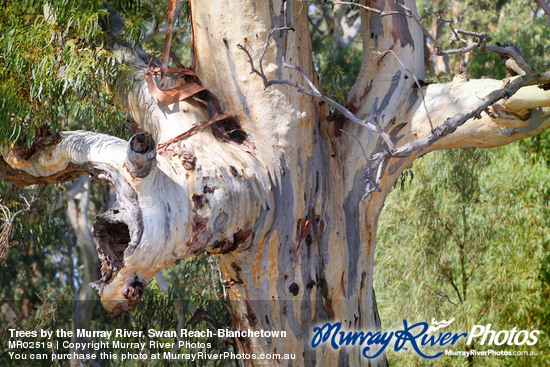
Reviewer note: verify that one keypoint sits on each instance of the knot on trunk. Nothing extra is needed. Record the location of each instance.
(141, 155)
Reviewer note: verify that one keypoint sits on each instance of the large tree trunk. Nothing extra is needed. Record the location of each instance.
(281, 200)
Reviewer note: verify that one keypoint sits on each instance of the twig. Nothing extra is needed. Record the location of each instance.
(452, 123)
(171, 12)
(358, 142)
(454, 37)
(197, 127)
(382, 13)
(313, 91)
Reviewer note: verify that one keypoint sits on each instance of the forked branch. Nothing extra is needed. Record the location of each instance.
(314, 91)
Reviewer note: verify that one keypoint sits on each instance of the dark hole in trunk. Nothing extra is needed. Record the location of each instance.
(113, 238)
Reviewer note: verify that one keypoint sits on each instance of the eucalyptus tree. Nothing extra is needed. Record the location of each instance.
(242, 155)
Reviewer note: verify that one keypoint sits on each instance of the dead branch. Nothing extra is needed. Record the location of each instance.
(171, 15)
(415, 78)
(482, 37)
(382, 13)
(197, 127)
(313, 91)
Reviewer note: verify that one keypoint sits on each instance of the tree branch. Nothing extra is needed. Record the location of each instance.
(451, 124)
(153, 28)
(72, 157)
(7, 224)
(313, 91)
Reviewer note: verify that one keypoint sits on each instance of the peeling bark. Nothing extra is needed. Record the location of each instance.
(280, 205)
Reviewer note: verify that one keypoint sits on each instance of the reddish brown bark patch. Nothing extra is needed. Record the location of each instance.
(400, 29)
(21, 178)
(132, 291)
(199, 224)
(187, 156)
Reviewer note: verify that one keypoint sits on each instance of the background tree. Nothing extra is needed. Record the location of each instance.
(473, 251)
(265, 178)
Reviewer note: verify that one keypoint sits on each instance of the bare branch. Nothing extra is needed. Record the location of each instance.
(197, 127)
(441, 294)
(171, 12)
(251, 62)
(382, 13)
(313, 91)
(447, 273)
(514, 53)
(452, 123)
(454, 37)
(153, 29)
(358, 142)
(375, 167)
(482, 37)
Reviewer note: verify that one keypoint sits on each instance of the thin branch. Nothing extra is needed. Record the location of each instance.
(251, 62)
(358, 142)
(313, 91)
(454, 37)
(442, 295)
(196, 128)
(373, 184)
(448, 274)
(452, 123)
(153, 29)
(515, 54)
(382, 13)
